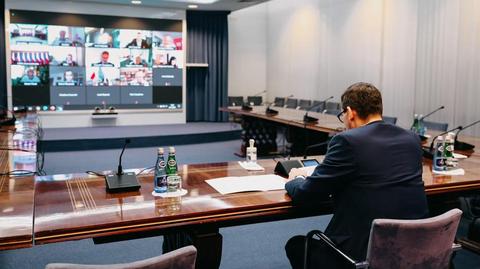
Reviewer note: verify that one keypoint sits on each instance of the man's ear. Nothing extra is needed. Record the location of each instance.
(351, 114)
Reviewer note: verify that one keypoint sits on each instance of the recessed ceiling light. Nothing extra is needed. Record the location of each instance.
(136, 2)
(192, 6)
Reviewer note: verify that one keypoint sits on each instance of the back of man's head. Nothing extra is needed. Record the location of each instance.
(364, 98)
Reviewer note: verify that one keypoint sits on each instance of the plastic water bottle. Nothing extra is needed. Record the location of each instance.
(160, 177)
(172, 168)
(439, 155)
(251, 151)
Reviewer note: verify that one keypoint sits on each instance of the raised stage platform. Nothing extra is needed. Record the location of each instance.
(95, 138)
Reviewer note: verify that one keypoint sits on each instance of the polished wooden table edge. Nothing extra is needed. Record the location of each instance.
(15, 244)
(45, 237)
(452, 187)
(296, 123)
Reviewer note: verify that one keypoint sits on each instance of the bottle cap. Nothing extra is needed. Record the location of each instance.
(160, 151)
(171, 149)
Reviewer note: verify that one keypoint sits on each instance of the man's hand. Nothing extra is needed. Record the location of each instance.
(295, 172)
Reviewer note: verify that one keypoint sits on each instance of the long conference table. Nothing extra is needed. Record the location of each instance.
(38, 210)
(259, 125)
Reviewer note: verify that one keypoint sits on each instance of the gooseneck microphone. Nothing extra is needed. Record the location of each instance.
(462, 145)
(309, 119)
(429, 114)
(428, 153)
(120, 169)
(120, 181)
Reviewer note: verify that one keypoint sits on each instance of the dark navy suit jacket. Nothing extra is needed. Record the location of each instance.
(374, 171)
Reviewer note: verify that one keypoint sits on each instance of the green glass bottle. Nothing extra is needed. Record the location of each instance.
(172, 168)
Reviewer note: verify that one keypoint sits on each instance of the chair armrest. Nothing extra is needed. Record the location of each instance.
(456, 247)
(331, 245)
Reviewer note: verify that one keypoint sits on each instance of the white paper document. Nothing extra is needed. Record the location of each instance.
(251, 166)
(459, 156)
(455, 172)
(226, 185)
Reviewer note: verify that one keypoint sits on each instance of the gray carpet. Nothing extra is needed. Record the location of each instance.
(258, 246)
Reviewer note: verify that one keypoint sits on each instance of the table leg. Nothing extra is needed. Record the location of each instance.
(209, 248)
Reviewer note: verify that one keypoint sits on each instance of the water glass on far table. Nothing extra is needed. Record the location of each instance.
(174, 183)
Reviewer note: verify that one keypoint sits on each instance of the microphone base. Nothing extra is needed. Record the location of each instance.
(309, 119)
(463, 146)
(121, 183)
(271, 112)
(247, 108)
(427, 153)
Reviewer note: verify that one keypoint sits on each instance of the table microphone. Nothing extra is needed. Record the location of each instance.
(310, 119)
(429, 152)
(462, 145)
(429, 114)
(121, 181)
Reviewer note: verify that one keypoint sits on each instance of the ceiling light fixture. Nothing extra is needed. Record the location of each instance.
(192, 6)
(136, 2)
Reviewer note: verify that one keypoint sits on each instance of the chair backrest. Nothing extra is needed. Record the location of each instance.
(319, 106)
(332, 106)
(235, 100)
(182, 258)
(391, 120)
(332, 111)
(437, 126)
(304, 104)
(406, 244)
(291, 103)
(279, 101)
(255, 100)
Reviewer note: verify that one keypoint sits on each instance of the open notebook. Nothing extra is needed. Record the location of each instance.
(226, 185)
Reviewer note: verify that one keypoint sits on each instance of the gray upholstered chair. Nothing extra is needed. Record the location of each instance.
(332, 108)
(304, 104)
(279, 101)
(318, 106)
(406, 244)
(254, 100)
(183, 258)
(235, 101)
(391, 120)
(437, 126)
(291, 103)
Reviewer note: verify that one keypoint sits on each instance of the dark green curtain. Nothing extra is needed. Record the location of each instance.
(207, 87)
(3, 67)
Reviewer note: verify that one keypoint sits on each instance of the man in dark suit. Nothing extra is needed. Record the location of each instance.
(372, 170)
(138, 42)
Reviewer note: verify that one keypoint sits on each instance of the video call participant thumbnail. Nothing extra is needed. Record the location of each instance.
(99, 37)
(66, 36)
(66, 76)
(136, 76)
(104, 60)
(139, 42)
(26, 75)
(28, 34)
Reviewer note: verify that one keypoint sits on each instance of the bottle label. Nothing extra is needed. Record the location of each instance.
(172, 162)
(161, 164)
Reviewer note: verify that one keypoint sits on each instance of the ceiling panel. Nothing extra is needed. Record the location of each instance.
(231, 5)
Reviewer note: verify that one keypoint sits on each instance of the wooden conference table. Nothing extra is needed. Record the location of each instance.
(262, 127)
(48, 209)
